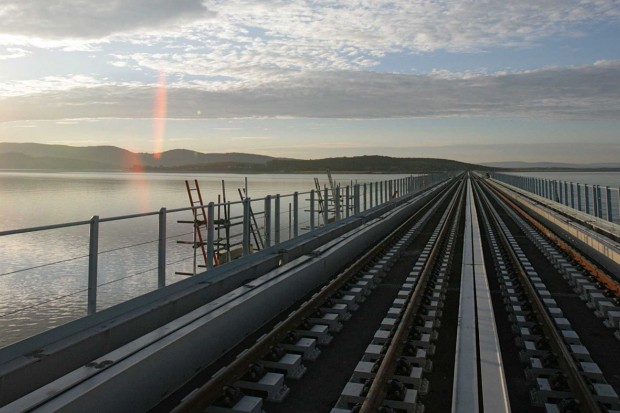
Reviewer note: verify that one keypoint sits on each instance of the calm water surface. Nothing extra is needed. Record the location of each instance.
(611, 179)
(43, 275)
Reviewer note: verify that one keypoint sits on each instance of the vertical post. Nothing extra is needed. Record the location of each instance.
(370, 204)
(290, 225)
(93, 255)
(599, 201)
(565, 193)
(295, 214)
(210, 235)
(325, 207)
(595, 200)
(549, 194)
(578, 196)
(610, 216)
(277, 219)
(161, 250)
(376, 193)
(312, 210)
(585, 188)
(365, 202)
(347, 195)
(337, 203)
(381, 188)
(246, 226)
(268, 221)
(572, 195)
(356, 199)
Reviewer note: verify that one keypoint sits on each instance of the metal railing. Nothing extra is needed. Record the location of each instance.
(596, 200)
(306, 212)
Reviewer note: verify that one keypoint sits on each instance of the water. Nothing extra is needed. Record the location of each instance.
(43, 275)
(611, 179)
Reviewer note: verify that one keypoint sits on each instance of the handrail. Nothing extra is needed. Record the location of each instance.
(333, 211)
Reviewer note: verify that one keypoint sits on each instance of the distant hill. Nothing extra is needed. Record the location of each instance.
(370, 164)
(13, 160)
(63, 157)
(177, 157)
(549, 165)
(111, 157)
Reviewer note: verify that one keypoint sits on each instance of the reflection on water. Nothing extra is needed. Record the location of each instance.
(611, 179)
(52, 294)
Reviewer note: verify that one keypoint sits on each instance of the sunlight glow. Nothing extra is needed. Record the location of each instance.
(159, 114)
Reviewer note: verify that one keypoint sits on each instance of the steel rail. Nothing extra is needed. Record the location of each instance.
(376, 393)
(204, 396)
(591, 267)
(579, 387)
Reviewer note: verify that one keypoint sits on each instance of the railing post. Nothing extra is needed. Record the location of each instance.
(277, 220)
(246, 227)
(356, 199)
(161, 250)
(93, 255)
(365, 201)
(595, 200)
(585, 188)
(618, 201)
(268, 221)
(295, 214)
(610, 216)
(337, 203)
(312, 210)
(376, 193)
(325, 206)
(370, 193)
(599, 199)
(578, 196)
(565, 193)
(210, 235)
(347, 196)
(572, 195)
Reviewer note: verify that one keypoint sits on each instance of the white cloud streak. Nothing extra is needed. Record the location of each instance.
(92, 19)
(13, 53)
(588, 92)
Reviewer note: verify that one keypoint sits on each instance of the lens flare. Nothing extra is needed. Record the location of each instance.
(159, 114)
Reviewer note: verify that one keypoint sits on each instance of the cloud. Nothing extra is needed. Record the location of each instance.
(251, 138)
(92, 19)
(586, 92)
(254, 43)
(13, 53)
(358, 31)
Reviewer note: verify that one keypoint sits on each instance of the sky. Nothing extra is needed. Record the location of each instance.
(475, 81)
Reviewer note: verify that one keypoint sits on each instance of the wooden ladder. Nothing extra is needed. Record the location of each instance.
(200, 219)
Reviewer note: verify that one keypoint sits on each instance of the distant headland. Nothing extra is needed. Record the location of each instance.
(35, 156)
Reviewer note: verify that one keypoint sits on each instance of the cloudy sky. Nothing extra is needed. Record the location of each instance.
(472, 80)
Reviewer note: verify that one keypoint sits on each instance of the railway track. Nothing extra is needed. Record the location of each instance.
(438, 305)
(469, 305)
